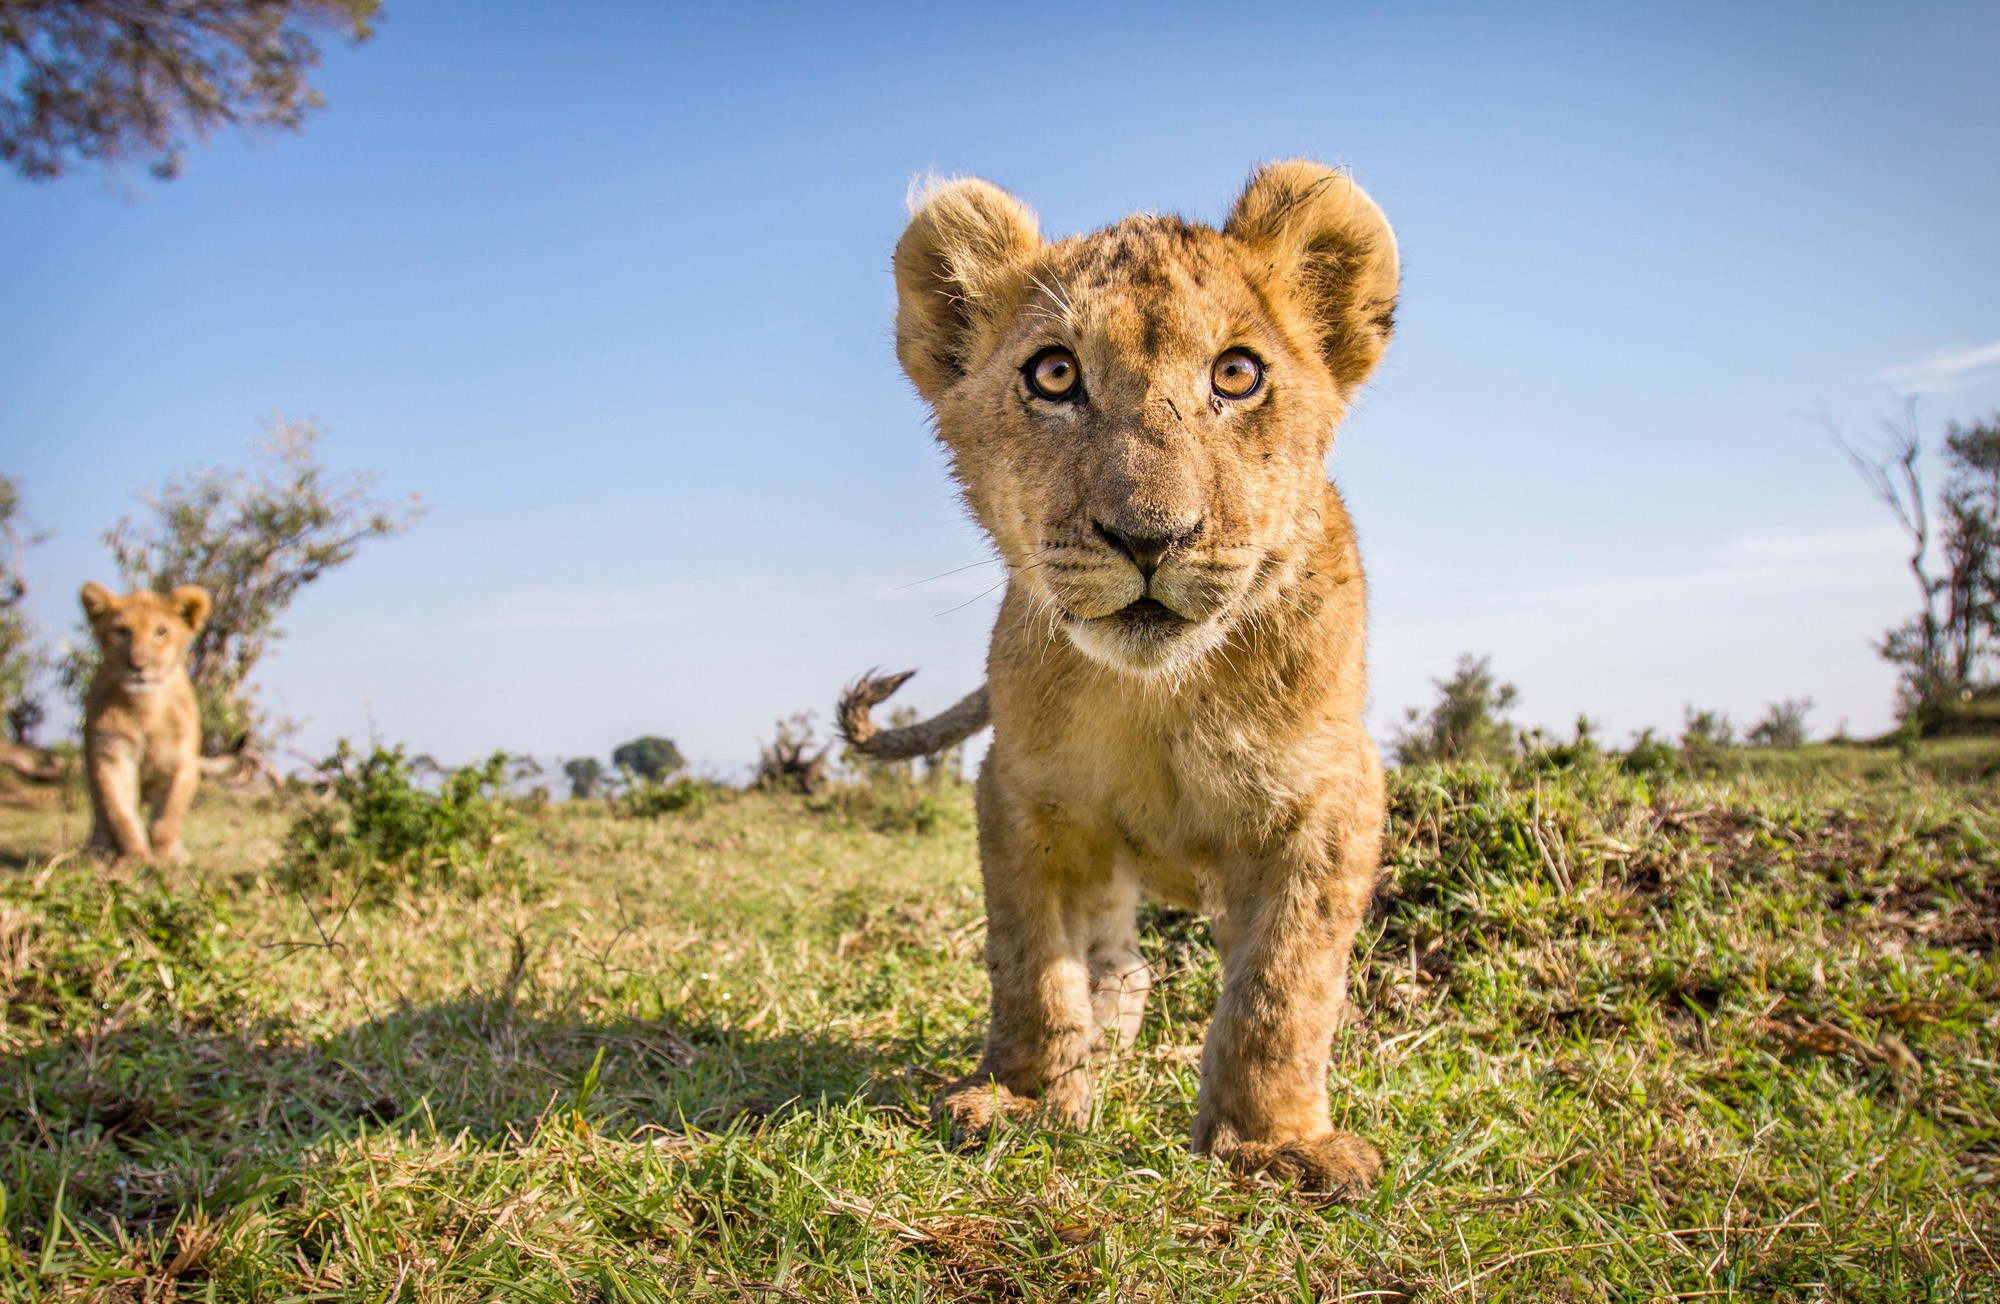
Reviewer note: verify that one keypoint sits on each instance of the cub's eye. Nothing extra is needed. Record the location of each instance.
(161, 632)
(1052, 374)
(1236, 374)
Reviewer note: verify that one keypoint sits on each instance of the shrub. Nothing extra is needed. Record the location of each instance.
(1783, 725)
(897, 803)
(1579, 753)
(1650, 754)
(381, 834)
(1466, 724)
(688, 796)
(1706, 730)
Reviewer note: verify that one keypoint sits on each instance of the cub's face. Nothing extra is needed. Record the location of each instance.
(144, 636)
(1140, 417)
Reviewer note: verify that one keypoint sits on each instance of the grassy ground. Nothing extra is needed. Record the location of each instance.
(1619, 1038)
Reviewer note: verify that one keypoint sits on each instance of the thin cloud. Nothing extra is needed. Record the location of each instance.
(1943, 369)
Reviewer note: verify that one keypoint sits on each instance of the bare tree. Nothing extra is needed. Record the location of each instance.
(788, 764)
(1957, 627)
(104, 80)
(253, 540)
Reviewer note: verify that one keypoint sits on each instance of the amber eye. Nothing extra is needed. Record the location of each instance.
(161, 632)
(1236, 374)
(1052, 374)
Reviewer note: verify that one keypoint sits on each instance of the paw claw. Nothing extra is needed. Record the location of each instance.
(1340, 1164)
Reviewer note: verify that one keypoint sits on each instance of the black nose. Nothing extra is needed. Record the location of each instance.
(1145, 550)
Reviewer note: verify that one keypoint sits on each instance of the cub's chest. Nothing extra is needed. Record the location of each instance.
(1169, 783)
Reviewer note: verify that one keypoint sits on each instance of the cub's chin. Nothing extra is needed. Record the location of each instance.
(1145, 638)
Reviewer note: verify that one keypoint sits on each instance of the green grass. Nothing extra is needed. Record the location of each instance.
(1620, 1040)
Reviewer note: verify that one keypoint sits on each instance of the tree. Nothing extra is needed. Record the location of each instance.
(650, 757)
(105, 80)
(253, 540)
(1783, 725)
(586, 777)
(19, 660)
(16, 640)
(1466, 723)
(1956, 630)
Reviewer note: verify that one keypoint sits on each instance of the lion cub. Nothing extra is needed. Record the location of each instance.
(141, 726)
(1140, 419)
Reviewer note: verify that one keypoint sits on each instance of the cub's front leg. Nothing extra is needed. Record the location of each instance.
(1285, 935)
(1047, 885)
(112, 771)
(170, 800)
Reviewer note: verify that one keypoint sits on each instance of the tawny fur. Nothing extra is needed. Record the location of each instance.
(1212, 754)
(141, 724)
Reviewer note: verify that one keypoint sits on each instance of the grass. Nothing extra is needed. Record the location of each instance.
(1620, 1038)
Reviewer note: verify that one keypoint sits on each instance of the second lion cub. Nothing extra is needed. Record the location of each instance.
(141, 723)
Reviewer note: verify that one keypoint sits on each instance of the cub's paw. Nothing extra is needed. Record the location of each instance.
(1340, 1164)
(975, 1106)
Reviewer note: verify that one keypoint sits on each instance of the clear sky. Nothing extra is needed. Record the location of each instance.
(609, 285)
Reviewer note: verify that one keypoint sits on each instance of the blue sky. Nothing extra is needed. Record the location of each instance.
(608, 284)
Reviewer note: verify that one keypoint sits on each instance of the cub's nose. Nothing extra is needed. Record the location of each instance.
(1146, 550)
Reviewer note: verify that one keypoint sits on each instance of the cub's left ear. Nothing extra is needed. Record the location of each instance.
(1329, 243)
(193, 604)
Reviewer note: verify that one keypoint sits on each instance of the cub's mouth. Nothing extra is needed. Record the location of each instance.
(1150, 615)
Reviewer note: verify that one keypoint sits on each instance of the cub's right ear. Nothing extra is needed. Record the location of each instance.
(961, 242)
(96, 600)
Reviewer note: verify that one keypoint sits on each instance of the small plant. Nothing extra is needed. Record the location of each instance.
(1580, 752)
(1467, 724)
(1783, 725)
(1707, 730)
(896, 803)
(647, 799)
(382, 834)
(1650, 754)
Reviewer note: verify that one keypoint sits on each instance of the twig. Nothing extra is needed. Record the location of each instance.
(327, 942)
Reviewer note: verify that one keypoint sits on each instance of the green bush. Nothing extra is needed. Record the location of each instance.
(648, 799)
(381, 834)
(1467, 724)
(897, 803)
(1650, 754)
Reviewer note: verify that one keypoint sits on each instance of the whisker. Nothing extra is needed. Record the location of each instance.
(941, 574)
(974, 598)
